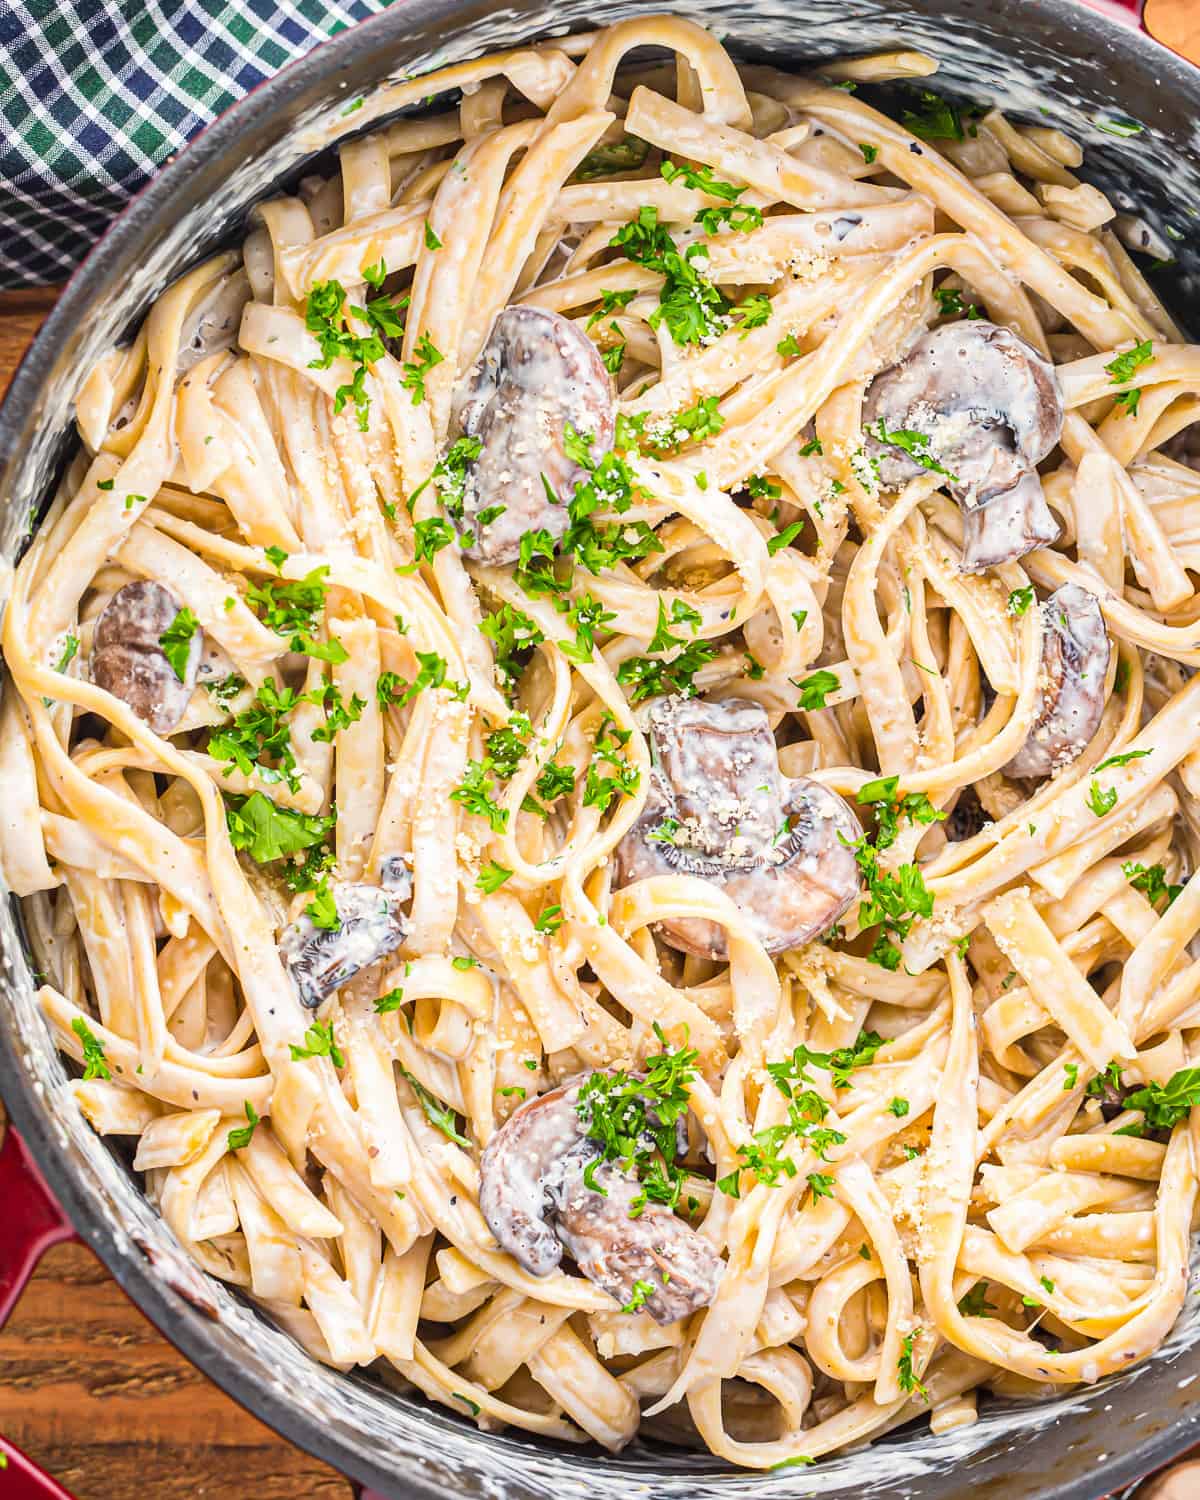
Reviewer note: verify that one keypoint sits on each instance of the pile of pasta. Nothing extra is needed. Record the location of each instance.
(984, 1221)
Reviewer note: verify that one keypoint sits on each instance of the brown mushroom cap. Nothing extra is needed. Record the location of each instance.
(371, 925)
(128, 661)
(1007, 526)
(533, 1195)
(773, 844)
(1075, 653)
(991, 409)
(536, 373)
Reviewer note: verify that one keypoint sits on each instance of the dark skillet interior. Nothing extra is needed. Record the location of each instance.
(1048, 61)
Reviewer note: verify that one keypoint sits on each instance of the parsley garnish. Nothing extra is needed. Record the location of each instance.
(1151, 881)
(1163, 1105)
(641, 1289)
(428, 355)
(1019, 601)
(68, 653)
(268, 833)
(1101, 800)
(294, 610)
(257, 732)
(474, 792)
(513, 635)
(1123, 366)
(176, 641)
(815, 688)
(491, 877)
(625, 155)
(891, 901)
(239, 1139)
(633, 1121)
(906, 1379)
(95, 1065)
(1122, 759)
(319, 1042)
(934, 119)
(882, 794)
(437, 1113)
(914, 443)
(389, 1002)
(975, 1304)
(647, 678)
(689, 304)
(322, 909)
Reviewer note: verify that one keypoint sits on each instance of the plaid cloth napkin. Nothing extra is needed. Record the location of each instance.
(95, 94)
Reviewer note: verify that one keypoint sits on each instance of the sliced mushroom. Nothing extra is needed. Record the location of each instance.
(1008, 525)
(1075, 652)
(128, 659)
(370, 926)
(719, 808)
(536, 373)
(990, 409)
(536, 1202)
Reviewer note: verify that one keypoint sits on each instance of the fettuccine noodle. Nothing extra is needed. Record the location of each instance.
(659, 591)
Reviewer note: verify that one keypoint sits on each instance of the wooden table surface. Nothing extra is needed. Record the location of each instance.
(87, 1387)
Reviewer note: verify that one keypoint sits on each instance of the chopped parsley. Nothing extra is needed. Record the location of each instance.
(1122, 759)
(883, 795)
(689, 304)
(815, 689)
(647, 678)
(975, 1304)
(1163, 1105)
(934, 118)
(322, 909)
(294, 611)
(906, 1378)
(240, 1138)
(625, 155)
(491, 877)
(914, 443)
(1101, 800)
(258, 741)
(68, 653)
(390, 1002)
(438, 1114)
(95, 1065)
(1151, 881)
(267, 832)
(474, 792)
(840, 1063)
(641, 1289)
(1019, 601)
(633, 1122)
(892, 902)
(1122, 368)
(325, 318)
(319, 1042)
(176, 641)
(415, 371)
(513, 636)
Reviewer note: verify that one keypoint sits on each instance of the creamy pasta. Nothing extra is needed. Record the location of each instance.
(601, 751)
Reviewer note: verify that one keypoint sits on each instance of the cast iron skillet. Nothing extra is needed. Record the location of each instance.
(1079, 68)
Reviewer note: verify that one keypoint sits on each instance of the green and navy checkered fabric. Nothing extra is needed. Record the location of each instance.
(96, 94)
